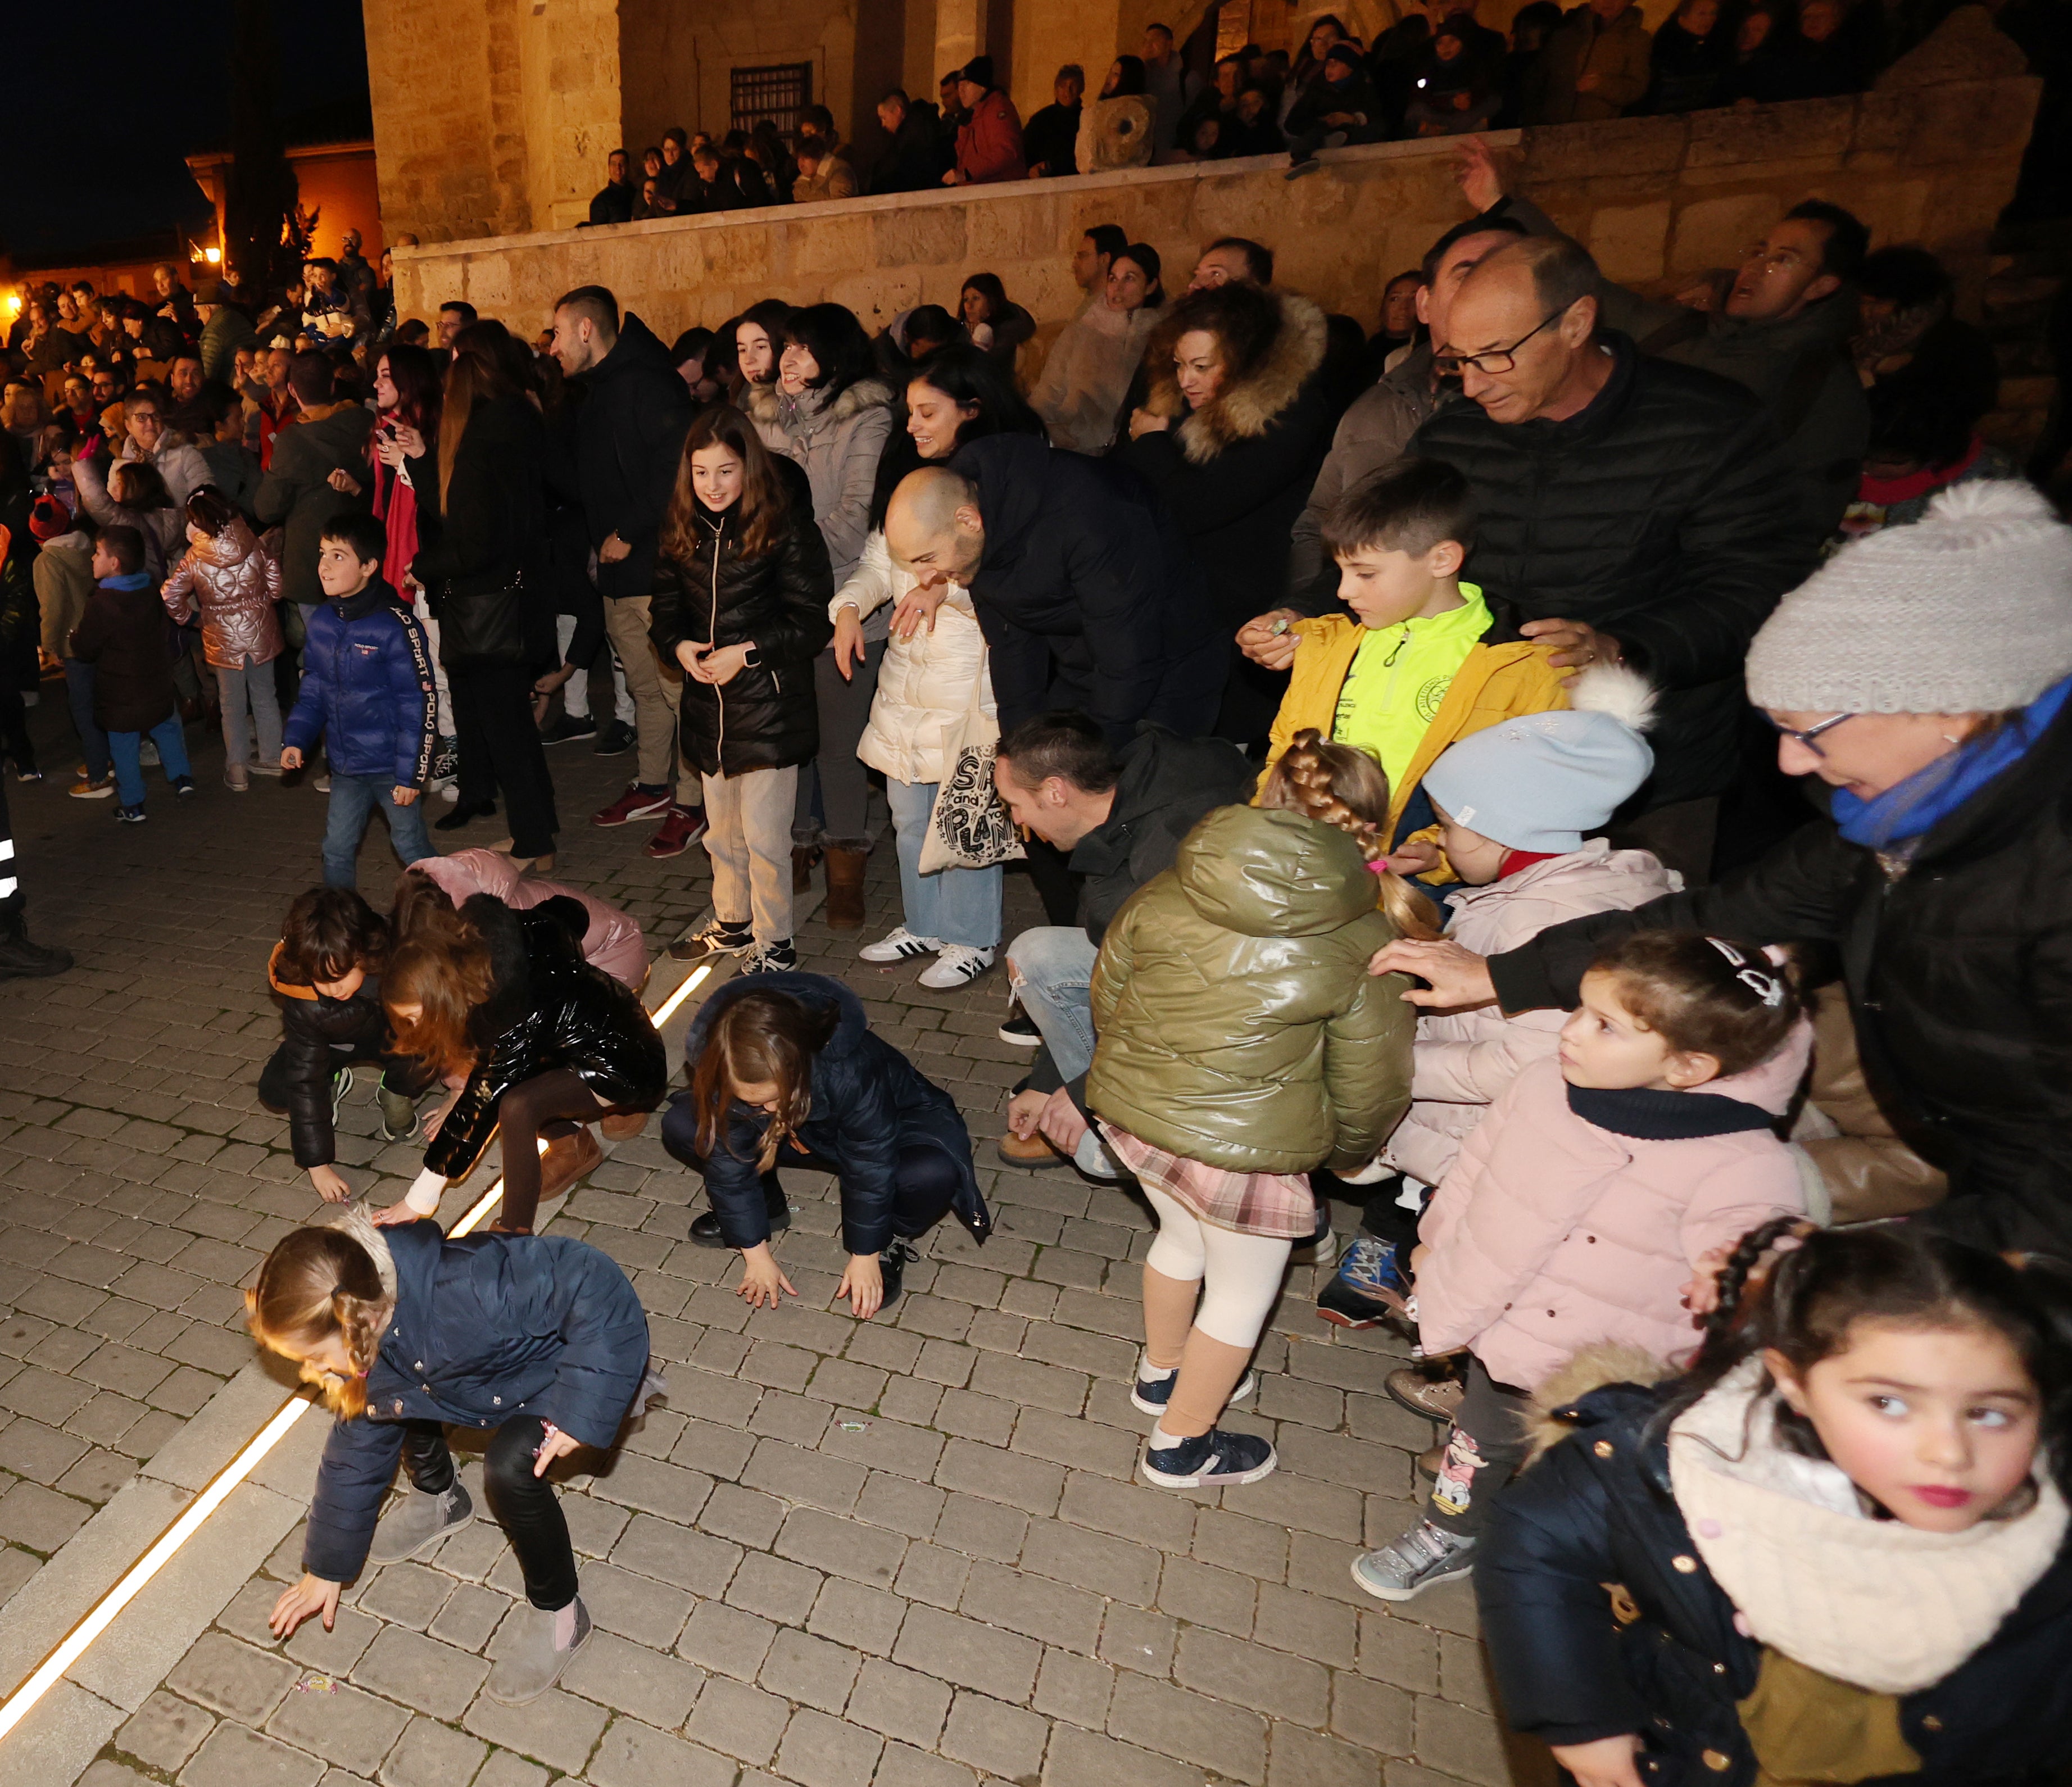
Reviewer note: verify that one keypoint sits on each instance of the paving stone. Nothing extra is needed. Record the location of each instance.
(905, 1767)
(635, 1755)
(164, 1732)
(232, 1678)
(842, 1547)
(1458, 1742)
(1029, 1484)
(981, 1529)
(738, 1721)
(968, 1654)
(338, 1723)
(899, 1703)
(820, 1752)
(1135, 1640)
(746, 1516)
(1001, 1739)
(557, 1729)
(469, 1616)
(420, 1673)
(1308, 1625)
(406, 1594)
(1155, 1517)
(433, 1755)
(1308, 1759)
(1111, 1567)
(675, 1554)
(39, 1518)
(726, 1641)
(1175, 1722)
(799, 1476)
(811, 1670)
(776, 1590)
(865, 1619)
(235, 1756)
(635, 1607)
(1068, 1617)
(1080, 1759)
(1247, 1674)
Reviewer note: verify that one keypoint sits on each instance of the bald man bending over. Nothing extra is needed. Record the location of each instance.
(1088, 595)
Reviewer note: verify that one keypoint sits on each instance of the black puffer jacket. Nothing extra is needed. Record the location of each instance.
(869, 1102)
(767, 717)
(550, 1009)
(1089, 593)
(617, 453)
(1959, 973)
(318, 1036)
(1596, 1510)
(482, 555)
(1663, 514)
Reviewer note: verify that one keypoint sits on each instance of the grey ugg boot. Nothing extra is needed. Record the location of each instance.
(418, 1521)
(530, 1664)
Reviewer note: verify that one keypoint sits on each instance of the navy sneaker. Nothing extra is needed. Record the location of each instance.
(1152, 1394)
(1209, 1461)
(1369, 1288)
(131, 815)
(184, 785)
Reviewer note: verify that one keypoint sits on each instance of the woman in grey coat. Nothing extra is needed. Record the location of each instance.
(829, 413)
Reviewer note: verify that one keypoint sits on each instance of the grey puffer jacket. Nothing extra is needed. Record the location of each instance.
(235, 579)
(838, 443)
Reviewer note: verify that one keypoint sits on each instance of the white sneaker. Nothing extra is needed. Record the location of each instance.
(901, 944)
(958, 965)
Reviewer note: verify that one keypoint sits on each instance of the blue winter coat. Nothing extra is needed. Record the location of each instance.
(367, 689)
(1574, 1663)
(869, 1101)
(484, 1330)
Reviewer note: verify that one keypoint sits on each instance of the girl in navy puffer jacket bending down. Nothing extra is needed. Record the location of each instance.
(784, 1068)
(537, 1340)
(1835, 1551)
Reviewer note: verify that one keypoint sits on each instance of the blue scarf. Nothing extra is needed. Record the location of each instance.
(127, 580)
(1895, 820)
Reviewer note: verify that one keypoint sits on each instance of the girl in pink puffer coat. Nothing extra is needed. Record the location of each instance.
(1582, 1209)
(613, 942)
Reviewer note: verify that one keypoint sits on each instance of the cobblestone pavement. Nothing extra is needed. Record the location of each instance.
(907, 1552)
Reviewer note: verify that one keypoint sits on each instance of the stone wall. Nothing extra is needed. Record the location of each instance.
(1929, 156)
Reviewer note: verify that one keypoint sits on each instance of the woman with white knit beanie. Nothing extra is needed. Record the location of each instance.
(1923, 675)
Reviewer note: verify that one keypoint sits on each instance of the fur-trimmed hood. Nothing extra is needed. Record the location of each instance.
(1249, 406)
(1591, 1368)
(769, 408)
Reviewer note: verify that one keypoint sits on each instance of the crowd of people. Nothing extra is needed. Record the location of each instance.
(1580, 776)
(1436, 72)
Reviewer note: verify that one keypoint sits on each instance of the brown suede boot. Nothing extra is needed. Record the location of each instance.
(844, 911)
(623, 1125)
(567, 1160)
(804, 856)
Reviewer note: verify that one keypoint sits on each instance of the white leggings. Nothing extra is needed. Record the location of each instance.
(1241, 1273)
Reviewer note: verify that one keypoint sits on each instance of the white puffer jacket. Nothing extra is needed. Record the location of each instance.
(1462, 1060)
(924, 685)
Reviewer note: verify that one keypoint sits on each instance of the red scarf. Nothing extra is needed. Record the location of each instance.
(396, 504)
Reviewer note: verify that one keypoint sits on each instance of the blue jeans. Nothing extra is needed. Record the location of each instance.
(1052, 970)
(956, 906)
(79, 691)
(124, 747)
(352, 799)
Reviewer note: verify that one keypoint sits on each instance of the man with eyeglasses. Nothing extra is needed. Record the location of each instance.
(1629, 510)
(1779, 322)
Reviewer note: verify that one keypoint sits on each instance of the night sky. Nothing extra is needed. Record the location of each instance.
(107, 97)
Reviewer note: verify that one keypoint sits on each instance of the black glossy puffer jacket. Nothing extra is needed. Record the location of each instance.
(1598, 1512)
(767, 717)
(1959, 974)
(1663, 513)
(550, 1009)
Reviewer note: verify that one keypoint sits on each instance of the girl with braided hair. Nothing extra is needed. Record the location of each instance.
(1603, 1177)
(538, 1343)
(1237, 1052)
(1835, 1550)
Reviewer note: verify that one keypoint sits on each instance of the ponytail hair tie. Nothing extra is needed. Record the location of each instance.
(1767, 988)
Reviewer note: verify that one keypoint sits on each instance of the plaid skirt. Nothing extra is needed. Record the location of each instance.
(1278, 1205)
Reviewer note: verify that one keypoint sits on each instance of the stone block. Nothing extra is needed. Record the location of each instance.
(921, 235)
(556, 1729)
(820, 1752)
(1002, 1740)
(433, 1755)
(1174, 1722)
(1309, 1759)
(849, 1613)
(726, 1641)
(1628, 241)
(968, 1654)
(811, 1670)
(634, 1755)
(1457, 1742)
(232, 1678)
(899, 1703)
(1081, 1758)
(1622, 146)
(1816, 130)
(234, 1756)
(164, 1732)
(739, 1721)
(420, 1673)
(338, 1723)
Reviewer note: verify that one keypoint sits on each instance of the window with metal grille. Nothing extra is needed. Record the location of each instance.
(779, 93)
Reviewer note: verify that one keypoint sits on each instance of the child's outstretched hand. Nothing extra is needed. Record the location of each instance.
(553, 1445)
(863, 1283)
(1609, 1762)
(762, 1278)
(311, 1594)
(1701, 1296)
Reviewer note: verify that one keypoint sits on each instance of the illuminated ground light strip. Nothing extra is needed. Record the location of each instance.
(102, 1615)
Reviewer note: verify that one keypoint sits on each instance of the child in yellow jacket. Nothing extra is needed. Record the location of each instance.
(1412, 672)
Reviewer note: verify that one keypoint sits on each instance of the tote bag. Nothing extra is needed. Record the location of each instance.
(969, 827)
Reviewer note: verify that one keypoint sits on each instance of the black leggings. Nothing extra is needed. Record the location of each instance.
(548, 1107)
(527, 1507)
